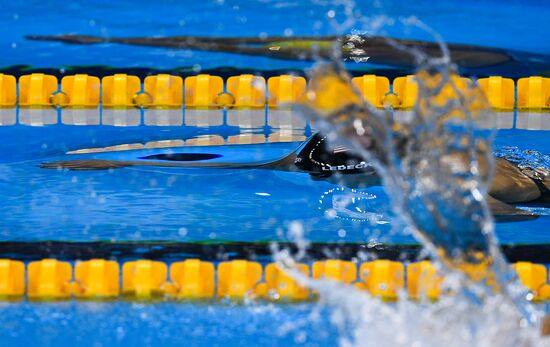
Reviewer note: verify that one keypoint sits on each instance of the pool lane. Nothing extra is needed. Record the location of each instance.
(196, 204)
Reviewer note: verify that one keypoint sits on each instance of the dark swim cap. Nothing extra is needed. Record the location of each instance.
(318, 159)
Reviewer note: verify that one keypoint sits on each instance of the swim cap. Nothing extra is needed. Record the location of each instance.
(318, 159)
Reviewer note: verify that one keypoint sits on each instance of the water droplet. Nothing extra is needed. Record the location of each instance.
(182, 232)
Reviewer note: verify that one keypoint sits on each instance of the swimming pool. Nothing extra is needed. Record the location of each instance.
(170, 214)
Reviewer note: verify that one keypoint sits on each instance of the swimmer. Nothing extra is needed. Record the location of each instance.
(510, 184)
(339, 165)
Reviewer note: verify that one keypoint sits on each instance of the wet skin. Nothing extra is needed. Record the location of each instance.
(511, 185)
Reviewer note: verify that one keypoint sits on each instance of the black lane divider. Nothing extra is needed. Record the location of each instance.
(257, 251)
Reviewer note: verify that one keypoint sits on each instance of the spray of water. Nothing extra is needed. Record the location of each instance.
(436, 165)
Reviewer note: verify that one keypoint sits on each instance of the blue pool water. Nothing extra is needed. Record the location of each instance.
(166, 324)
(209, 205)
(194, 204)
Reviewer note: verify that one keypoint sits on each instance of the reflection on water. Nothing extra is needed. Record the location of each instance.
(276, 118)
(130, 146)
(203, 118)
(169, 117)
(80, 116)
(244, 139)
(121, 117)
(285, 119)
(246, 118)
(533, 120)
(503, 120)
(286, 135)
(7, 116)
(37, 116)
(205, 140)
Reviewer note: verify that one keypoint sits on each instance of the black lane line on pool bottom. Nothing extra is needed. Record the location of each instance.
(171, 251)
(182, 156)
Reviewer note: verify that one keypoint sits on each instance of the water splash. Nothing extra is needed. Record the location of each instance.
(436, 166)
(524, 158)
(351, 204)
